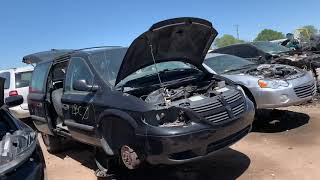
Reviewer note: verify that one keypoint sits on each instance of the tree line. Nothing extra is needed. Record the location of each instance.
(265, 35)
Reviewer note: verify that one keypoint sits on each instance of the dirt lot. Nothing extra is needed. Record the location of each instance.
(283, 145)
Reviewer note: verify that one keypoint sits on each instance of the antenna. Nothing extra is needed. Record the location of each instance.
(155, 65)
(161, 84)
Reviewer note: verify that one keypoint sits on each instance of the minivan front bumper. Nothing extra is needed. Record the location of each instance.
(182, 148)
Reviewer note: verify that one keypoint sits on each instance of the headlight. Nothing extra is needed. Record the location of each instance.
(15, 149)
(170, 117)
(274, 84)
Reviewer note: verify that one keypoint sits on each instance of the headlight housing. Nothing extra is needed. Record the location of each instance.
(167, 117)
(15, 149)
(273, 84)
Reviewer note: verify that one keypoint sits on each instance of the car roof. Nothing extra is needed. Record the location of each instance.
(18, 69)
(55, 54)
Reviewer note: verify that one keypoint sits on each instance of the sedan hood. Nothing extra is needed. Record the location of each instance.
(1, 91)
(180, 39)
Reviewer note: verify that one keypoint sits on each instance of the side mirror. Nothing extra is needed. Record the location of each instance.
(14, 101)
(82, 85)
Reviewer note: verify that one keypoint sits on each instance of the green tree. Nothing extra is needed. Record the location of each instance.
(312, 30)
(226, 40)
(269, 35)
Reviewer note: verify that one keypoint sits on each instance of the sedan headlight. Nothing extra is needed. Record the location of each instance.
(15, 149)
(273, 84)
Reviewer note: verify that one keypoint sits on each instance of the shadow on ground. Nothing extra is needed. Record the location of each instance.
(79, 152)
(273, 121)
(226, 164)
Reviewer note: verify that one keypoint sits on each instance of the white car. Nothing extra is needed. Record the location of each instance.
(17, 82)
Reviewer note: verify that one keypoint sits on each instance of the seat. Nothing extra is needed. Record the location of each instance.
(56, 101)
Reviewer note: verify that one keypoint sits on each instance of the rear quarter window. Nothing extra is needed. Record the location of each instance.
(39, 77)
(23, 79)
(6, 76)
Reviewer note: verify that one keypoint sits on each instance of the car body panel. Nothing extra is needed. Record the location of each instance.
(268, 97)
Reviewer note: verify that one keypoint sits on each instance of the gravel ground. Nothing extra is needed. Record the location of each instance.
(284, 144)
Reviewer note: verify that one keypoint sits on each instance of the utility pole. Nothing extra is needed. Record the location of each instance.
(237, 29)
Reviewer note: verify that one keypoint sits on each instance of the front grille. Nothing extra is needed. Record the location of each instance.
(207, 107)
(214, 110)
(238, 109)
(233, 97)
(305, 90)
(215, 118)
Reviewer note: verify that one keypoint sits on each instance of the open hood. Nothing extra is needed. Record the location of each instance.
(1, 91)
(182, 39)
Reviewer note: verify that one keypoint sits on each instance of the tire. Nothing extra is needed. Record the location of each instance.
(122, 142)
(53, 143)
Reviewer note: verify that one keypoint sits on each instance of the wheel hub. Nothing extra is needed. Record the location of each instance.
(129, 157)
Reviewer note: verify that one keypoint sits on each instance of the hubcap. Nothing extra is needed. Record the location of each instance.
(129, 157)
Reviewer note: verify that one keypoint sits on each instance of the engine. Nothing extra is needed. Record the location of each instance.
(276, 71)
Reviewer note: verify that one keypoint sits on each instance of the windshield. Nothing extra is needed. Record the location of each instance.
(107, 63)
(6, 76)
(271, 48)
(224, 63)
(152, 69)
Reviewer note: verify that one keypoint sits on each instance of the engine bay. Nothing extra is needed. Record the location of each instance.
(275, 71)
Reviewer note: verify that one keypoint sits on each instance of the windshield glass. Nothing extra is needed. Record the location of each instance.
(224, 63)
(6, 76)
(107, 63)
(271, 48)
(152, 69)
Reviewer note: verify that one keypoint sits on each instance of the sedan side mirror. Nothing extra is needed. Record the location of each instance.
(82, 85)
(14, 100)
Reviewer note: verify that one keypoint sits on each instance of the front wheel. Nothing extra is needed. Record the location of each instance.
(129, 158)
(53, 143)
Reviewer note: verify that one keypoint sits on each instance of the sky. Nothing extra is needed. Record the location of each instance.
(28, 26)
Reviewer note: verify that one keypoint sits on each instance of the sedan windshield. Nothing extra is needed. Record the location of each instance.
(225, 63)
(271, 48)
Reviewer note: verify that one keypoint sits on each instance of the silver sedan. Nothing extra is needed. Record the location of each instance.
(267, 85)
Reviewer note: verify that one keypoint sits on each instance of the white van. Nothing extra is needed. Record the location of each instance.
(17, 83)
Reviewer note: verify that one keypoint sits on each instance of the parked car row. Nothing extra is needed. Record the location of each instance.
(162, 100)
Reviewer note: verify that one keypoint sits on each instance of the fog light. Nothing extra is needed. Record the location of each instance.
(284, 98)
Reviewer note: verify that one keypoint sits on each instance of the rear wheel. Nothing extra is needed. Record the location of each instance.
(53, 143)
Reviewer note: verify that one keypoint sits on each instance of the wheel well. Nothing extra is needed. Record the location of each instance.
(249, 94)
(116, 132)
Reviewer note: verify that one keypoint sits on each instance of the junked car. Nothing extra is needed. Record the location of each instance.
(17, 82)
(152, 102)
(264, 52)
(20, 154)
(267, 85)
